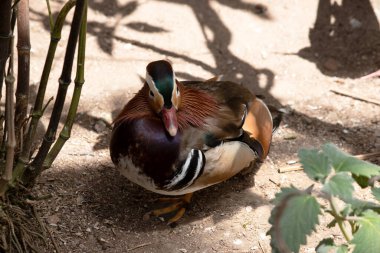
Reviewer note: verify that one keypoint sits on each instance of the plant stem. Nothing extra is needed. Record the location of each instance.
(79, 81)
(23, 159)
(339, 219)
(11, 140)
(23, 71)
(5, 31)
(5, 39)
(2, 117)
(51, 23)
(64, 82)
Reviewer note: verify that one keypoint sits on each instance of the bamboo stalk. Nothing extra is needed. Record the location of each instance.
(51, 22)
(38, 105)
(5, 31)
(10, 48)
(11, 140)
(23, 71)
(79, 81)
(38, 108)
(64, 81)
(5, 41)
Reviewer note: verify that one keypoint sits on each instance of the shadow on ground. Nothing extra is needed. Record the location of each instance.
(103, 193)
(344, 40)
(109, 196)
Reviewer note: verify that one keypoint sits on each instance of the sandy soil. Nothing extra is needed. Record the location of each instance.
(292, 52)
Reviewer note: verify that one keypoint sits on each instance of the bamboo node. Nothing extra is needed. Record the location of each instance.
(49, 139)
(63, 82)
(9, 79)
(55, 39)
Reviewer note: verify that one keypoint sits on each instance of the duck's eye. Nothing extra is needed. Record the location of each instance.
(151, 94)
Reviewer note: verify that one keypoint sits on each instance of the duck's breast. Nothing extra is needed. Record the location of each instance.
(144, 152)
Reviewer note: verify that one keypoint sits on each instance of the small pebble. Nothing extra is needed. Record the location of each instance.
(100, 126)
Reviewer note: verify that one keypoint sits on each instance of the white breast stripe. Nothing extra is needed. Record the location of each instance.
(188, 172)
(180, 176)
(200, 163)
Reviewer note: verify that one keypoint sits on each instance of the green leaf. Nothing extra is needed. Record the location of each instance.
(284, 193)
(342, 161)
(315, 163)
(347, 210)
(342, 249)
(358, 206)
(366, 239)
(296, 215)
(328, 246)
(376, 193)
(340, 185)
(326, 241)
(333, 249)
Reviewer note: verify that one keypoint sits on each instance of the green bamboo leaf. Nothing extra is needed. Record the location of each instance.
(296, 215)
(342, 161)
(328, 246)
(315, 163)
(376, 193)
(366, 239)
(340, 185)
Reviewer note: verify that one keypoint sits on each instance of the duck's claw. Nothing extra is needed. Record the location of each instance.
(178, 208)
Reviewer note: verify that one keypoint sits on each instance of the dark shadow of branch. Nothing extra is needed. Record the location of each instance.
(345, 38)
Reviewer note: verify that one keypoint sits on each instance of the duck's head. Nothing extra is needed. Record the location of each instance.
(164, 94)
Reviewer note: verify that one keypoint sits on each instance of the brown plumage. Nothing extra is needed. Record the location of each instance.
(195, 107)
(175, 138)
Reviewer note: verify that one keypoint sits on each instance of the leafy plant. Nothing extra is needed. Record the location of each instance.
(296, 212)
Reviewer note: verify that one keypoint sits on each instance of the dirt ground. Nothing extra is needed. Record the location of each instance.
(293, 52)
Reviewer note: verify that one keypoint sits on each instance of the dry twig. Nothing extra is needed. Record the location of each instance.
(140, 246)
(356, 96)
(290, 168)
(274, 182)
(261, 247)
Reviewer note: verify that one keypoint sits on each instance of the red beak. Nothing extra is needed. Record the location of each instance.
(169, 117)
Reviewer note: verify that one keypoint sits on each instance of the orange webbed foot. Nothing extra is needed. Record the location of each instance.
(178, 207)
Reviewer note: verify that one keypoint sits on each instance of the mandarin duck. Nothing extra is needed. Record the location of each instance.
(175, 138)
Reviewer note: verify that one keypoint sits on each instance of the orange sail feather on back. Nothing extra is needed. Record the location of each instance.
(195, 107)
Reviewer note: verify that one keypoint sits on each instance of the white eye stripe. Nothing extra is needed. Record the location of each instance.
(150, 82)
(152, 87)
(175, 92)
